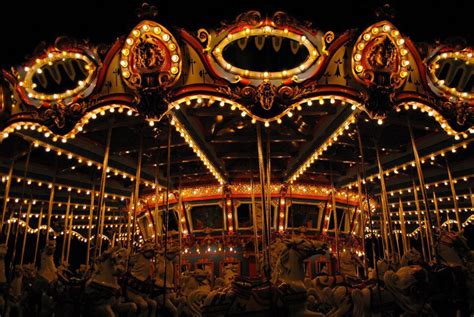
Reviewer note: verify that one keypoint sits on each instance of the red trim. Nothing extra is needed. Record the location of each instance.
(196, 45)
(102, 74)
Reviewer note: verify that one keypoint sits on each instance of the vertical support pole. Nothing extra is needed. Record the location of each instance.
(69, 236)
(421, 179)
(362, 222)
(453, 193)
(12, 262)
(385, 208)
(6, 195)
(66, 220)
(401, 217)
(129, 223)
(438, 218)
(426, 256)
(38, 233)
(103, 181)
(136, 195)
(255, 226)
(167, 211)
(336, 223)
(25, 234)
(50, 208)
(89, 227)
(265, 227)
(102, 224)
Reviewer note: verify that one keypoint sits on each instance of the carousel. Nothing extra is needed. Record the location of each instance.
(262, 167)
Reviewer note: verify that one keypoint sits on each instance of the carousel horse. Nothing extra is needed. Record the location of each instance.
(410, 288)
(102, 290)
(411, 257)
(15, 293)
(285, 293)
(3, 277)
(349, 265)
(194, 288)
(454, 253)
(230, 271)
(139, 280)
(43, 283)
(166, 263)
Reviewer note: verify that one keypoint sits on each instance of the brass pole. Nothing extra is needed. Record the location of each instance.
(68, 207)
(385, 208)
(362, 222)
(448, 221)
(157, 200)
(255, 226)
(167, 213)
(336, 226)
(421, 180)
(50, 208)
(129, 222)
(89, 227)
(136, 195)
(369, 211)
(38, 233)
(25, 236)
(401, 217)
(265, 229)
(438, 219)
(453, 192)
(426, 256)
(71, 221)
(16, 235)
(103, 181)
(6, 194)
(101, 226)
(10, 224)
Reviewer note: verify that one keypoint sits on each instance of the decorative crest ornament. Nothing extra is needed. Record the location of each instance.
(150, 58)
(379, 56)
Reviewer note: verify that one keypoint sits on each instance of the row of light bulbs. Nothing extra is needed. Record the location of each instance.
(323, 147)
(79, 127)
(60, 187)
(192, 143)
(427, 158)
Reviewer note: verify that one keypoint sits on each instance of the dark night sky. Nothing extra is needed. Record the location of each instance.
(25, 24)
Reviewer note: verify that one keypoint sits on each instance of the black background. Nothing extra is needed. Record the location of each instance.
(25, 24)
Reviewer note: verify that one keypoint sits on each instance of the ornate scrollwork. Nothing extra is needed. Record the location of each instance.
(205, 37)
(282, 19)
(252, 18)
(61, 115)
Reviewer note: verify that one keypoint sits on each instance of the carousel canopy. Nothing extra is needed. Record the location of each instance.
(265, 96)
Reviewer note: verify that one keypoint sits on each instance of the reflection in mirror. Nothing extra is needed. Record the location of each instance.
(303, 215)
(244, 216)
(207, 216)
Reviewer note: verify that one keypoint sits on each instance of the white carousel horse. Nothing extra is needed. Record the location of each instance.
(48, 269)
(230, 271)
(286, 292)
(166, 263)
(411, 257)
(409, 287)
(3, 277)
(102, 289)
(139, 280)
(194, 288)
(349, 263)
